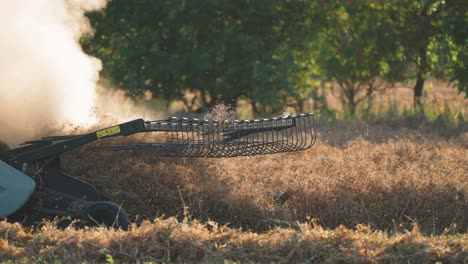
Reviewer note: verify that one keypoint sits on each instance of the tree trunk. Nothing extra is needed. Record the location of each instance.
(300, 105)
(419, 86)
(352, 108)
(418, 91)
(254, 108)
(350, 93)
(203, 102)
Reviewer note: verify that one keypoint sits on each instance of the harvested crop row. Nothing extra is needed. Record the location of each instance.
(172, 241)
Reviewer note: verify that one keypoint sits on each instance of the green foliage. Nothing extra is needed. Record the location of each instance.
(354, 49)
(109, 259)
(455, 28)
(274, 52)
(219, 50)
(431, 34)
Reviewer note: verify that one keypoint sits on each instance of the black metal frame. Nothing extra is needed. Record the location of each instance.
(195, 138)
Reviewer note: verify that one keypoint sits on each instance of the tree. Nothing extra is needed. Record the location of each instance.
(455, 27)
(419, 30)
(267, 51)
(355, 49)
(217, 50)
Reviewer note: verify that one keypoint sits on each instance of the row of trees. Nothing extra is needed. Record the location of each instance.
(274, 51)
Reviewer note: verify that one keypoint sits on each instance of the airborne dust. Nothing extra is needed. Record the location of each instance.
(47, 82)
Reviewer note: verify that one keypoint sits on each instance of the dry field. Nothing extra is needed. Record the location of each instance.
(358, 173)
(438, 98)
(384, 191)
(167, 241)
(352, 197)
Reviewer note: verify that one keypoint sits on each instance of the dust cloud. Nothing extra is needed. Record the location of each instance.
(46, 80)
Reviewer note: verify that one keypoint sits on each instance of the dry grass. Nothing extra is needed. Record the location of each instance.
(351, 198)
(439, 98)
(358, 173)
(170, 240)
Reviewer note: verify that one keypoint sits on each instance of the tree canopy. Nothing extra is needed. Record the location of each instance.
(268, 50)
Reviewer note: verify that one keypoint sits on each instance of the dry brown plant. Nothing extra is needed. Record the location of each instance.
(169, 240)
(351, 198)
(380, 175)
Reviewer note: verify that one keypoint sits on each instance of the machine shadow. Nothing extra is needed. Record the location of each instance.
(148, 186)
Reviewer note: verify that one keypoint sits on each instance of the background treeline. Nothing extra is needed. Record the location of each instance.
(273, 53)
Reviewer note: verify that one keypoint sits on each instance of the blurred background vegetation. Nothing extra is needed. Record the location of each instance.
(269, 56)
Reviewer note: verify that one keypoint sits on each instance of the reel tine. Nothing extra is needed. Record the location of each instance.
(196, 138)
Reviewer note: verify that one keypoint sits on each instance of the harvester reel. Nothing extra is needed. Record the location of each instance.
(195, 138)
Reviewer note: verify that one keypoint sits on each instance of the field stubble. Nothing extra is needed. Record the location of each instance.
(358, 173)
(352, 197)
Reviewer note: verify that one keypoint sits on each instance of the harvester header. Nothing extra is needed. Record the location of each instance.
(33, 185)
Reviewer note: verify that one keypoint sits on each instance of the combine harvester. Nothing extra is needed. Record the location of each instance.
(34, 187)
